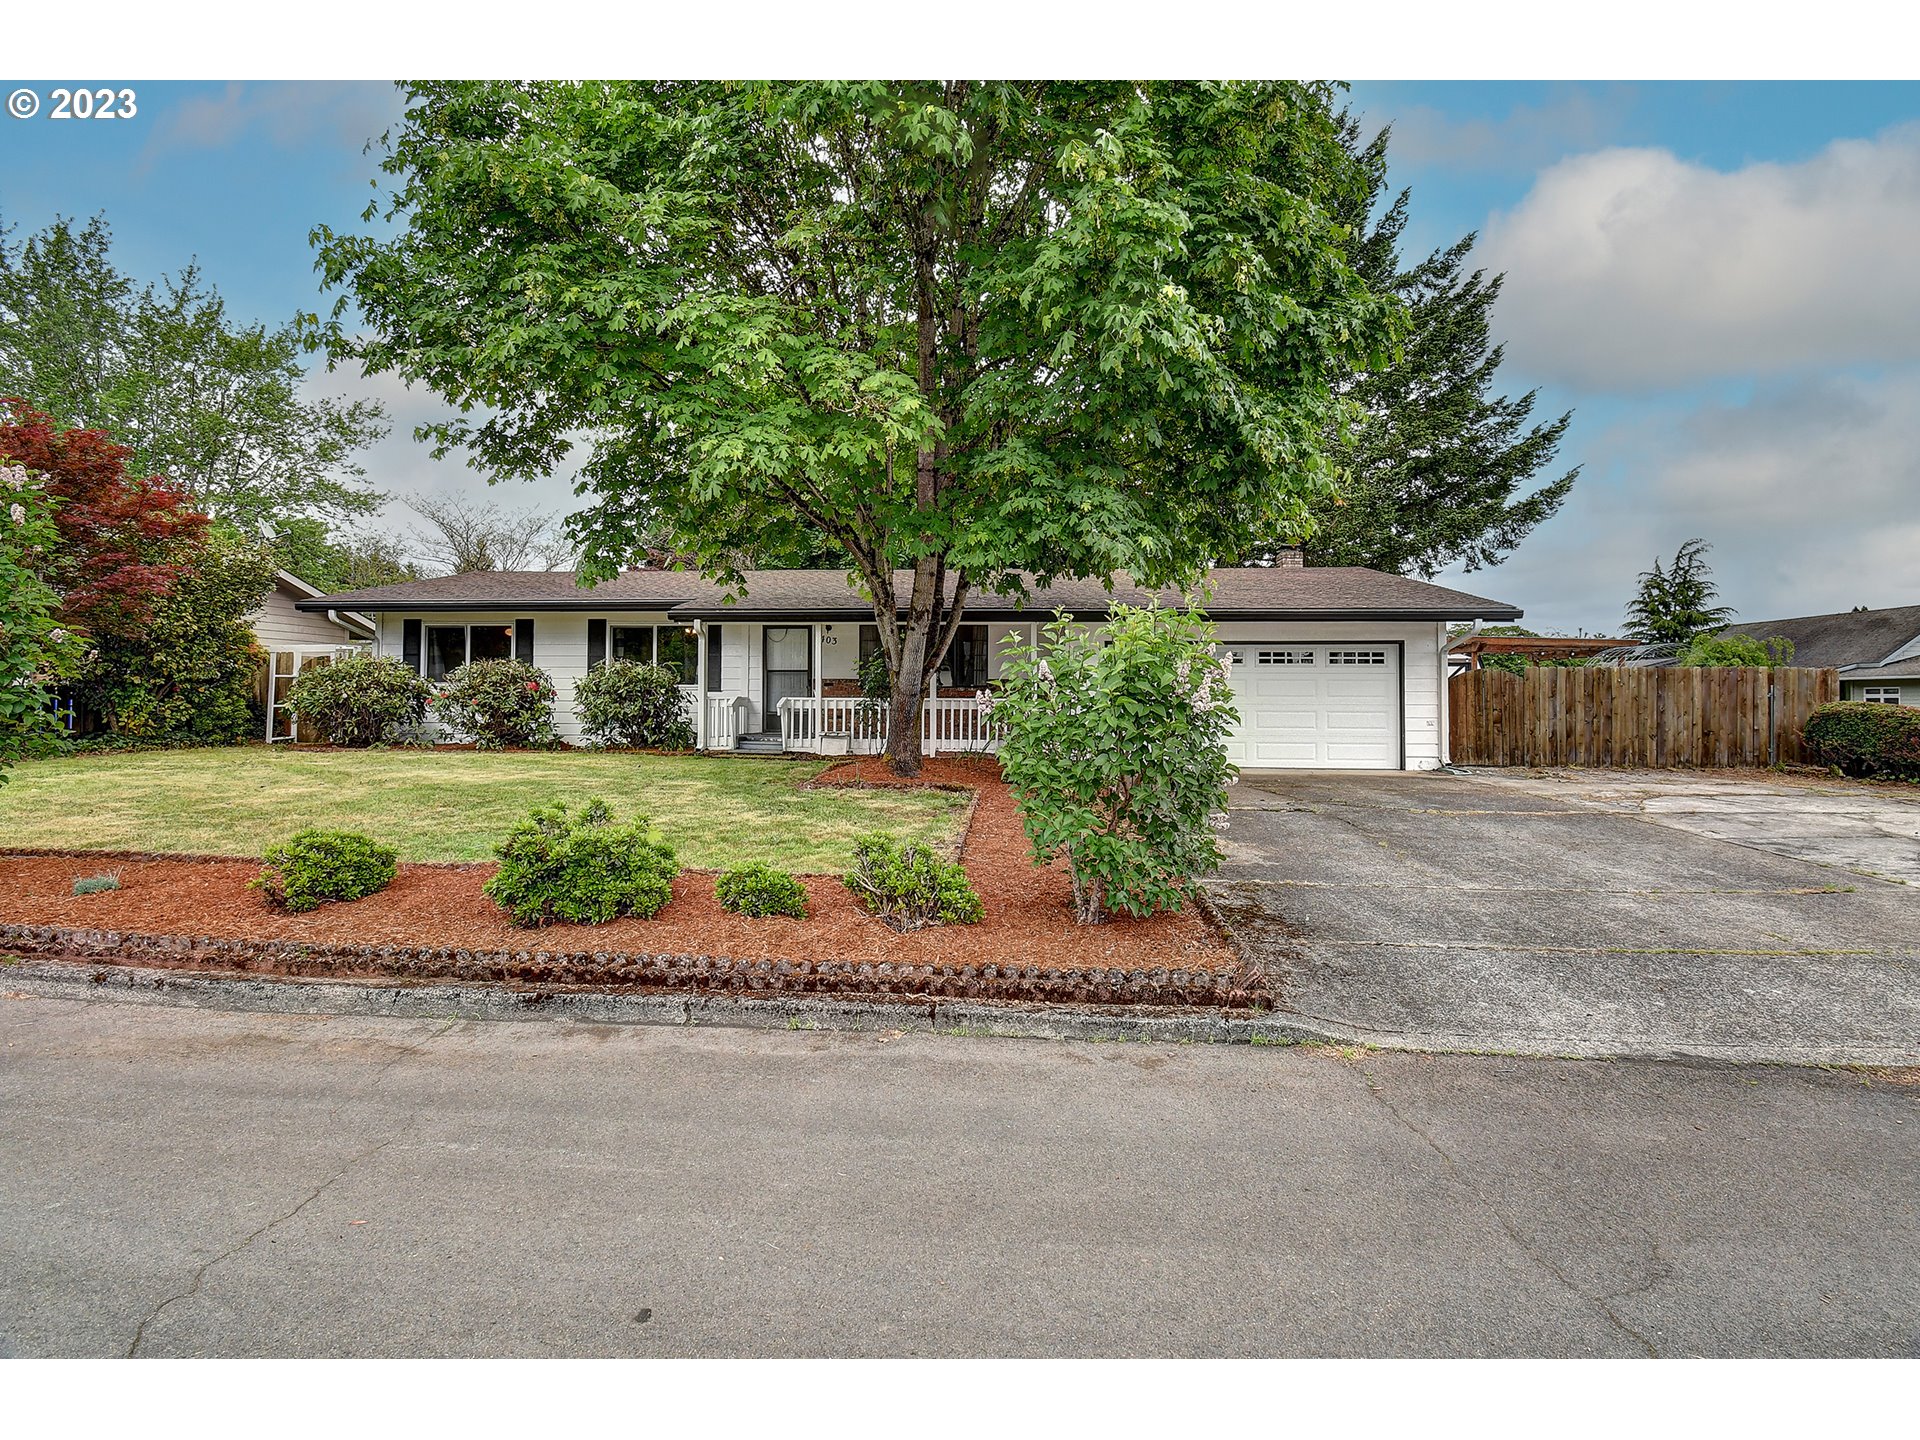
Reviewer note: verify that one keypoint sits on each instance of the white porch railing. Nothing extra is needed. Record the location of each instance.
(840, 725)
(726, 717)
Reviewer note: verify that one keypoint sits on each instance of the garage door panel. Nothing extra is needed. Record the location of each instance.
(1316, 705)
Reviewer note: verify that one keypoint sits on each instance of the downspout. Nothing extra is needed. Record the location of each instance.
(1446, 695)
(700, 702)
(334, 616)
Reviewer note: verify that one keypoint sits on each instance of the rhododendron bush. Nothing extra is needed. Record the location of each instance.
(497, 704)
(1116, 747)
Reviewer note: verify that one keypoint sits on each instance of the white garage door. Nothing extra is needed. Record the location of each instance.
(1332, 707)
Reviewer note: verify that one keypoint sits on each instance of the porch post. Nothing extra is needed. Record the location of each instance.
(700, 705)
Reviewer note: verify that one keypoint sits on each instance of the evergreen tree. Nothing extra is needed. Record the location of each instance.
(1437, 473)
(1674, 602)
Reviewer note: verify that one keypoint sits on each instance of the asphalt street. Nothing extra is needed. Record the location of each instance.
(183, 1181)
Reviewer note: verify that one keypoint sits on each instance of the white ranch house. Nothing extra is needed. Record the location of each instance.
(1334, 667)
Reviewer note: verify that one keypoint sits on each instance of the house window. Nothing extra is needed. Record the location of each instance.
(446, 650)
(675, 646)
(1286, 657)
(966, 665)
(1881, 694)
(1356, 657)
(678, 648)
(451, 646)
(630, 642)
(490, 642)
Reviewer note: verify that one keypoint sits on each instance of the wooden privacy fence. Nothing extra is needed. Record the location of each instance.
(1679, 717)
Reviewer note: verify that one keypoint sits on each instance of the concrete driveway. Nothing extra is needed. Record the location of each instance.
(1541, 915)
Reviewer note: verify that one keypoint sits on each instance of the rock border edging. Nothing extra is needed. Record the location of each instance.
(624, 971)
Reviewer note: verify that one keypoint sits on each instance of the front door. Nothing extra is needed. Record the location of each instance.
(787, 664)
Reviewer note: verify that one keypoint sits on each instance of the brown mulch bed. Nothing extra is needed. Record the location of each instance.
(1028, 925)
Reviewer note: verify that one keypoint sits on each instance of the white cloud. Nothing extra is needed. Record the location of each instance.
(1807, 493)
(1632, 269)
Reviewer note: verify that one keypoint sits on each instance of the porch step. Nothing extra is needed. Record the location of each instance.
(762, 744)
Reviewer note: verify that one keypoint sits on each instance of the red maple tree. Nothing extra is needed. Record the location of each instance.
(124, 540)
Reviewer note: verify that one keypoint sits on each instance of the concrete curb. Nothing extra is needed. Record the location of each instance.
(134, 985)
(137, 985)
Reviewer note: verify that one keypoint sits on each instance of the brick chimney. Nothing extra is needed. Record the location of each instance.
(1289, 557)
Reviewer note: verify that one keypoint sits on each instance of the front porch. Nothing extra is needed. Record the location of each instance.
(847, 725)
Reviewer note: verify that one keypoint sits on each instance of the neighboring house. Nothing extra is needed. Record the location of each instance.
(297, 639)
(1877, 652)
(1333, 667)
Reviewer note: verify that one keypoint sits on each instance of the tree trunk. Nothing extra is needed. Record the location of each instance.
(903, 728)
(916, 656)
(911, 669)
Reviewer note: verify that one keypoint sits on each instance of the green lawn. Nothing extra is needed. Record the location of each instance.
(717, 811)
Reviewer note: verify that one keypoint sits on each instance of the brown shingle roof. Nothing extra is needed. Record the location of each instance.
(1277, 592)
(522, 590)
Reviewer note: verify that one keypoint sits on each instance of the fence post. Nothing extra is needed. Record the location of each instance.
(1773, 721)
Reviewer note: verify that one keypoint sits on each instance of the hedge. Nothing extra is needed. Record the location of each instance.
(1874, 740)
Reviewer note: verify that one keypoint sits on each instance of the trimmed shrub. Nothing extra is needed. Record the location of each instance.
(760, 890)
(359, 700)
(1116, 747)
(497, 703)
(1872, 740)
(316, 866)
(581, 868)
(908, 887)
(94, 884)
(638, 706)
(1736, 652)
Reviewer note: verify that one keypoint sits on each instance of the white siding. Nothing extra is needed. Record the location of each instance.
(278, 626)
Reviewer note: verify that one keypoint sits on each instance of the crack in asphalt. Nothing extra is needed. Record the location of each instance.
(193, 1288)
(1601, 1303)
(200, 1274)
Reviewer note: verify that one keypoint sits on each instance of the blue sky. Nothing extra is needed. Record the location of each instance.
(1719, 279)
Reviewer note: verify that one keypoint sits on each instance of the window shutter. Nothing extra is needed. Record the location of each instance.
(596, 643)
(410, 644)
(713, 657)
(523, 641)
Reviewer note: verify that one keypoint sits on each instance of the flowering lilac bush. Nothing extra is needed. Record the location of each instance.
(497, 703)
(35, 652)
(1117, 753)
